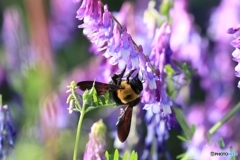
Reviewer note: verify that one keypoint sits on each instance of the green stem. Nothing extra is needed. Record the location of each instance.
(0, 100)
(224, 120)
(78, 132)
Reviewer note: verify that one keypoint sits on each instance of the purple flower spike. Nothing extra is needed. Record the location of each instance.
(91, 8)
(7, 131)
(109, 36)
(96, 145)
(236, 53)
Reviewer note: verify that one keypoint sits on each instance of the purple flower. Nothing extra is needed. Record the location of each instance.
(155, 97)
(7, 131)
(62, 23)
(96, 145)
(18, 50)
(112, 39)
(157, 132)
(233, 29)
(236, 43)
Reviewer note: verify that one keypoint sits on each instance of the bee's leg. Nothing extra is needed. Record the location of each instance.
(129, 74)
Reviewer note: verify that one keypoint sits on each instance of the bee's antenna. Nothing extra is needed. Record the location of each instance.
(118, 77)
(123, 71)
(129, 74)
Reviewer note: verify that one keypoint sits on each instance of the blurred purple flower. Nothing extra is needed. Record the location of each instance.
(187, 43)
(236, 43)
(7, 131)
(233, 29)
(62, 23)
(96, 145)
(226, 11)
(19, 55)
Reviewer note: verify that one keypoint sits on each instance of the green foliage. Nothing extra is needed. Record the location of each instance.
(0, 100)
(221, 143)
(187, 130)
(186, 70)
(133, 156)
(84, 103)
(174, 83)
(89, 98)
(166, 6)
(151, 14)
(233, 157)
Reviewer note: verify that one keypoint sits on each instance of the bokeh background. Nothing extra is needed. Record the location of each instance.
(42, 51)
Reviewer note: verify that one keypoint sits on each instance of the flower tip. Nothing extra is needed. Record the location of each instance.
(167, 109)
(99, 127)
(231, 31)
(71, 106)
(5, 107)
(73, 84)
(146, 106)
(156, 109)
(70, 111)
(238, 85)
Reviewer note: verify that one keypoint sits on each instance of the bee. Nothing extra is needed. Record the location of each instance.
(123, 92)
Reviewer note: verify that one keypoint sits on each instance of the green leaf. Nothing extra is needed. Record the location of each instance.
(85, 96)
(194, 128)
(185, 67)
(125, 156)
(182, 138)
(165, 7)
(100, 101)
(95, 97)
(106, 97)
(221, 143)
(116, 155)
(233, 157)
(178, 64)
(107, 155)
(90, 108)
(1, 100)
(134, 155)
(169, 70)
(183, 123)
(180, 156)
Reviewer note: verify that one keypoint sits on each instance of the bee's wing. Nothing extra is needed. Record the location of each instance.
(124, 122)
(101, 88)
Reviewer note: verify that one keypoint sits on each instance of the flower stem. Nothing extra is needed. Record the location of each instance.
(0, 100)
(224, 120)
(78, 132)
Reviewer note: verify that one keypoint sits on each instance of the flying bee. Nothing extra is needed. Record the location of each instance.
(123, 92)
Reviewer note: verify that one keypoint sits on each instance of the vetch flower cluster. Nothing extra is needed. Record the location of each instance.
(7, 131)
(96, 145)
(116, 44)
(110, 36)
(160, 56)
(236, 53)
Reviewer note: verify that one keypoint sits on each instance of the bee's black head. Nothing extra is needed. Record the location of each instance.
(136, 84)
